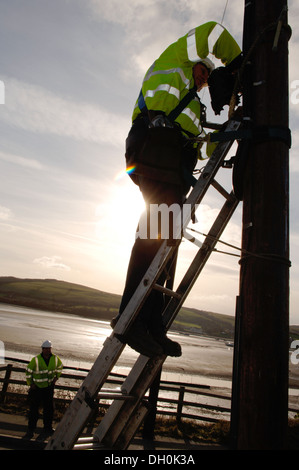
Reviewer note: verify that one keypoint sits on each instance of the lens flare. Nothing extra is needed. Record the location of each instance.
(127, 171)
(130, 169)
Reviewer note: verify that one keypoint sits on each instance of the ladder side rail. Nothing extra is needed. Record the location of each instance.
(119, 414)
(125, 439)
(81, 407)
(123, 442)
(68, 429)
(213, 165)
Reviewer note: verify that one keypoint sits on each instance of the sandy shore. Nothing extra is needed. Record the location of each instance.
(79, 341)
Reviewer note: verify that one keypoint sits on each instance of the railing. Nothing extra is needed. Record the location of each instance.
(178, 399)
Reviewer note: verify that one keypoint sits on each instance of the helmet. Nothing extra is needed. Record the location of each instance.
(208, 64)
(47, 344)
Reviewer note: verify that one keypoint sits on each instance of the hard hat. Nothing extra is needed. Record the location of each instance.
(208, 64)
(47, 344)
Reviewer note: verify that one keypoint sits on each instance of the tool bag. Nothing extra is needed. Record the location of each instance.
(160, 157)
(157, 152)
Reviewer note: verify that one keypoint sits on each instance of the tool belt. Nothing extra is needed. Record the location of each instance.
(158, 157)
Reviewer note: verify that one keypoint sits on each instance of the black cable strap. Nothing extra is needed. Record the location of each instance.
(256, 134)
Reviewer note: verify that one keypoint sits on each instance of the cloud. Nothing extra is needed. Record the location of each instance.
(35, 109)
(52, 262)
(214, 302)
(136, 16)
(149, 27)
(21, 161)
(5, 213)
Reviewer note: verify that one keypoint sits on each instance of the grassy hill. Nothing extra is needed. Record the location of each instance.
(66, 297)
(59, 296)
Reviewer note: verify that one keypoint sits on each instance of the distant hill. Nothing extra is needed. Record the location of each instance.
(66, 297)
(59, 296)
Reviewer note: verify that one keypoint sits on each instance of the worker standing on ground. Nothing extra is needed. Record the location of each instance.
(41, 375)
(162, 154)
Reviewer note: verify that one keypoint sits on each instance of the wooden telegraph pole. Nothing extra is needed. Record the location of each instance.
(260, 383)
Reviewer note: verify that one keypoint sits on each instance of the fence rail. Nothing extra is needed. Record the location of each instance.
(178, 399)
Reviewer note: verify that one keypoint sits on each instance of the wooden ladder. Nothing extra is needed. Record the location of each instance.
(129, 408)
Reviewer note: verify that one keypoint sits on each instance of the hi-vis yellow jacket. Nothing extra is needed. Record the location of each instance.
(41, 374)
(170, 77)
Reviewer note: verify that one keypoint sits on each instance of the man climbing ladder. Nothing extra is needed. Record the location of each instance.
(140, 301)
(161, 153)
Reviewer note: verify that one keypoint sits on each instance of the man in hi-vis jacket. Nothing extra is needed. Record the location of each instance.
(41, 375)
(161, 156)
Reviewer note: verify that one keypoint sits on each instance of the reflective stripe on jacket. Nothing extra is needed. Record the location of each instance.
(170, 77)
(41, 374)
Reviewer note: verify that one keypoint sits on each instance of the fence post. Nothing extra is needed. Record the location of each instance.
(180, 403)
(5, 382)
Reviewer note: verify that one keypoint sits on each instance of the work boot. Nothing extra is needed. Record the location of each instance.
(139, 339)
(170, 348)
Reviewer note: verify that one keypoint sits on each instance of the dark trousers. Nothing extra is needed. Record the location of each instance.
(41, 397)
(144, 250)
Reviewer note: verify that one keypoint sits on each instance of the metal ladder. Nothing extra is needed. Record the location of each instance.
(128, 410)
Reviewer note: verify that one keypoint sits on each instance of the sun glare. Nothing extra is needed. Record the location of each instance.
(118, 216)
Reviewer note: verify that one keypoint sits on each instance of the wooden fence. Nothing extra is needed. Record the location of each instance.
(178, 399)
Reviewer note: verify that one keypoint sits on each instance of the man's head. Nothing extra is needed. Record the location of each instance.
(201, 73)
(47, 348)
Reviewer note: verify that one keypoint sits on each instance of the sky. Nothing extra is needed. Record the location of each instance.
(70, 73)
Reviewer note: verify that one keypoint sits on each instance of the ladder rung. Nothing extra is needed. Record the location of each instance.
(193, 239)
(116, 396)
(87, 443)
(86, 440)
(220, 189)
(165, 290)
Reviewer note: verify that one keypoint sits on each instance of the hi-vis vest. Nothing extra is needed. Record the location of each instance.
(170, 77)
(41, 374)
